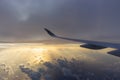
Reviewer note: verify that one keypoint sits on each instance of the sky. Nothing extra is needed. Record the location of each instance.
(22, 20)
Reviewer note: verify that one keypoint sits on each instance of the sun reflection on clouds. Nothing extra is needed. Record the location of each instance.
(38, 50)
(35, 54)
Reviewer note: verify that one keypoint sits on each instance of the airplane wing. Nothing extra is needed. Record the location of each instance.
(95, 45)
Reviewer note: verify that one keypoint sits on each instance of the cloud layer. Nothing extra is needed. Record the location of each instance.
(88, 19)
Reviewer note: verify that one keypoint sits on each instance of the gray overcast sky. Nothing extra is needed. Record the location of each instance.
(87, 19)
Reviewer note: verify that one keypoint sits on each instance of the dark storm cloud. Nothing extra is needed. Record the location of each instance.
(73, 69)
(88, 19)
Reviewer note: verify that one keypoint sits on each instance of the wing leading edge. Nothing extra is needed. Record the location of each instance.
(96, 45)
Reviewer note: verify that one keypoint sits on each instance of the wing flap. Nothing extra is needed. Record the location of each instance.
(92, 46)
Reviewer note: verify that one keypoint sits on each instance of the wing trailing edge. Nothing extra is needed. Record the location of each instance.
(92, 46)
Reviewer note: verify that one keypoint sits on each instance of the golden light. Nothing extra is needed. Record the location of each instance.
(34, 54)
(39, 50)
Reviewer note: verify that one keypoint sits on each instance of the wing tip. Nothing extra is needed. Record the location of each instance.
(49, 32)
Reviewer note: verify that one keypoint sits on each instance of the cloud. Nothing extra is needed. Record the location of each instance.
(88, 19)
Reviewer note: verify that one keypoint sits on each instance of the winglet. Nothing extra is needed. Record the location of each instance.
(49, 32)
